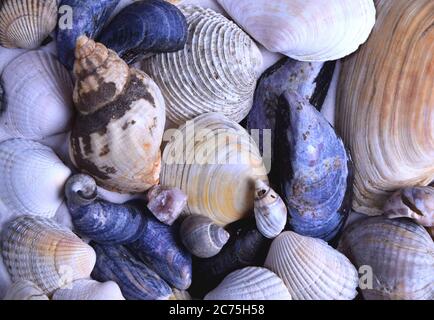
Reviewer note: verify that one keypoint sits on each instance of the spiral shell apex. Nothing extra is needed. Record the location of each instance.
(26, 23)
(117, 135)
(39, 250)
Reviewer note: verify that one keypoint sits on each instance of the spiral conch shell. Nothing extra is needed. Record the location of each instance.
(215, 72)
(26, 23)
(400, 254)
(251, 283)
(117, 134)
(215, 163)
(33, 178)
(387, 122)
(306, 30)
(38, 95)
(25, 290)
(311, 269)
(41, 251)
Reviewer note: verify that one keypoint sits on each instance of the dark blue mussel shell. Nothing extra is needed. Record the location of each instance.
(144, 27)
(136, 280)
(313, 165)
(88, 18)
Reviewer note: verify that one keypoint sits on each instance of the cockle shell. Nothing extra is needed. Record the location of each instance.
(311, 269)
(39, 250)
(87, 18)
(387, 122)
(215, 72)
(38, 96)
(25, 290)
(26, 23)
(251, 283)
(33, 178)
(306, 30)
(270, 211)
(99, 220)
(202, 237)
(312, 169)
(117, 135)
(416, 203)
(216, 167)
(400, 254)
(145, 27)
(136, 280)
(166, 204)
(89, 290)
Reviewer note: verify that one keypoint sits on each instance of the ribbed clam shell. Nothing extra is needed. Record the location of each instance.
(38, 96)
(251, 283)
(39, 250)
(270, 211)
(385, 105)
(219, 183)
(89, 290)
(400, 253)
(215, 72)
(33, 178)
(311, 269)
(415, 203)
(24, 290)
(26, 23)
(306, 30)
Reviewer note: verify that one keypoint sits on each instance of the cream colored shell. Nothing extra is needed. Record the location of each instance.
(87, 289)
(24, 290)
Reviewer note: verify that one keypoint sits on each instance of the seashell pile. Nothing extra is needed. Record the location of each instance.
(191, 149)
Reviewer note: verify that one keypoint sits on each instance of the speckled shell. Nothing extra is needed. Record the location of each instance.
(99, 220)
(400, 253)
(311, 269)
(202, 237)
(387, 122)
(26, 23)
(306, 30)
(38, 96)
(416, 203)
(88, 18)
(220, 183)
(166, 204)
(160, 248)
(41, 251)
(313, 169)
(215, 72)
(270, 211)
(136, 280)
(117, 135)
(32, 177)
(90, 290)
(250, 283)
(24, 290)
(146, 27)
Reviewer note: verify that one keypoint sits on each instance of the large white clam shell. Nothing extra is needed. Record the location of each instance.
(38, 96)
(24, 290)
(306, 30)
(41, 251)
(215, 162)
(311, 269)
(215, 72)
(251, 283)
(87, 289)
(32, 179)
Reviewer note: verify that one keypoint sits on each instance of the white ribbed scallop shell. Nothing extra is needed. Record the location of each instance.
(24, 290)
(311, 269)
(215, 72)
(41, 251)
(26, 23)
(251, 283)
(305, 30)
(90, 290)
(38, 96)
(32, 179)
